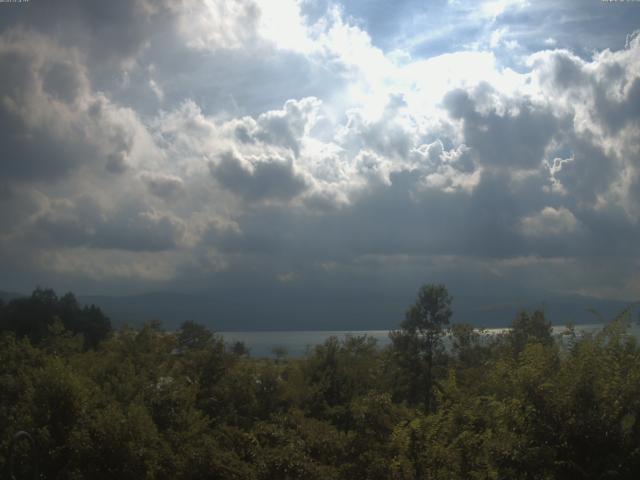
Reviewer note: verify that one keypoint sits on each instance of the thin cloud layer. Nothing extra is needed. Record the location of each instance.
(311, 145)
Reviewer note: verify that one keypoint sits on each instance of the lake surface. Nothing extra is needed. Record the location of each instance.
(297, 343)
(261, 344)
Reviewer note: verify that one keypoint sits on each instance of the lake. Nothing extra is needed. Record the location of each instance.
(297, 343)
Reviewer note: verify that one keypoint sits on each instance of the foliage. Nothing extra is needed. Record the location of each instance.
(33, 317)
(149, 404)
(418, 344)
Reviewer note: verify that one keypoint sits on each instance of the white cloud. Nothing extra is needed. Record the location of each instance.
(549, 221)
(495, 8)
(216, 24)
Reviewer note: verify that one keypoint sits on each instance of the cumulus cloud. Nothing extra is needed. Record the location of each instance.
(207, 136)
(516, 137)
(52, 122)
(112, 34)
(85, 223)
(264, 178)
(223, 24)
(163, 185)
(37, 113)
(285, 128)
(549, 221)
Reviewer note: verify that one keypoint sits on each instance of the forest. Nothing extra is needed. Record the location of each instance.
(442, 401)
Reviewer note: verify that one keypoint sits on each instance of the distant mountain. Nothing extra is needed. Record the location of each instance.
(225, 313)
(8, 296)
(560, 310)
(281, 309)
(222, 311)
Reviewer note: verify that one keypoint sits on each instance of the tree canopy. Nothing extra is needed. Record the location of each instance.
(143, 403)
(33, 316)
(418, 343)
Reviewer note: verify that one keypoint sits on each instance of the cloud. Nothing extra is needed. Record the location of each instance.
(163, 185)
(37, 112)
(84, 223)
(549, 221)
(222, 24)
(112, 34)
(515, 135)
(100, 266)
(258, 178)
(209, 137)
(51, 121)
(284, 128)
(390, 135)
(492, 9)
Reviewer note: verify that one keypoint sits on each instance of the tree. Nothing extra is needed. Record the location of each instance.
(469, 345)
(33, 316)
(240, 349)
(194, 336)
(419, 339)
(527, 328)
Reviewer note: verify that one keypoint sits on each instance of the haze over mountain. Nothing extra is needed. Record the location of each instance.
(308, 164)
(275, 311)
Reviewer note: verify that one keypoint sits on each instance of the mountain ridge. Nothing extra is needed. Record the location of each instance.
(274, 311)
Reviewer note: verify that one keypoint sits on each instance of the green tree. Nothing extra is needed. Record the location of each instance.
(240, 349)
(194, 336)
(419, 341)
(33, 316)
(527, 328)
(337, 372)
(466, 343)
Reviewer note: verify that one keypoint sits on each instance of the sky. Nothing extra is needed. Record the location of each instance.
(321, 153)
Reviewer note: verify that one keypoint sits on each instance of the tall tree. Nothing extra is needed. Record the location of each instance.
(419, 340)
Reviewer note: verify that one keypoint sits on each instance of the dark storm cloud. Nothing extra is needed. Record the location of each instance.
(117, 162)
(17, 206)
(61, 82)
(504, 215)
(85, 224)
(508, 139)
(589, 173)
(51, 122)
(396, 219)
(618, 113)
(262, 179)
(32, 127)
(111, 31)
(566, 72)
(35, 153)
